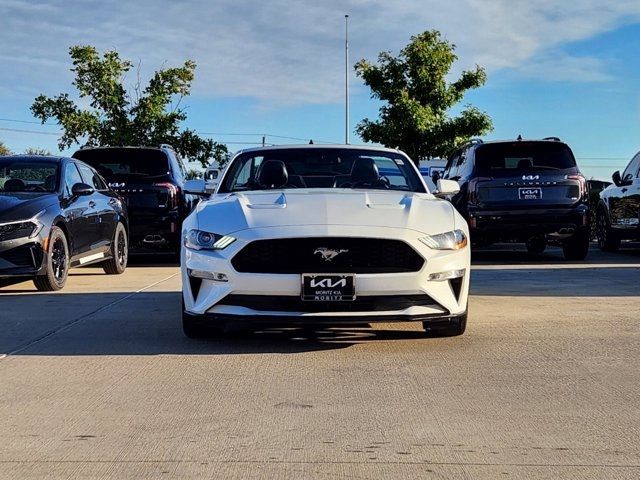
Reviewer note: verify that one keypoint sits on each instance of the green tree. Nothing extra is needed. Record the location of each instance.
(417, 99)
(37, 151)
(148, 116)
(4, 150)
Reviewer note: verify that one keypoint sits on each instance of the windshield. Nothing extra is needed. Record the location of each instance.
(518, 157)
(126, 163)
(28, 176)
(321, 168)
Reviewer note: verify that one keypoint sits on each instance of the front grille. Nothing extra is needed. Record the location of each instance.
(23, 256)
(305, 255)
(287, 303)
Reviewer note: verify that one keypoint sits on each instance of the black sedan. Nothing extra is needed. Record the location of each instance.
(57, 213)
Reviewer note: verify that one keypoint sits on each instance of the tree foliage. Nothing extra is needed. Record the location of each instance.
(37, 151)
(417, 98)
(144, 117)
(4, 150)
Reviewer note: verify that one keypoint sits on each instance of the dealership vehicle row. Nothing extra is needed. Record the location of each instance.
(306, 234)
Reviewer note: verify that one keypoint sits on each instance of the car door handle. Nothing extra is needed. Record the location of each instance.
(92, 204)
(624, 190)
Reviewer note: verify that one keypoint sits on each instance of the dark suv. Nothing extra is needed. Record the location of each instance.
(151, 180)
(528, 191)
(618, 212)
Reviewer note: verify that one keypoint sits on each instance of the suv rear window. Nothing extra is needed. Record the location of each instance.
(523, 156)
(126, 163)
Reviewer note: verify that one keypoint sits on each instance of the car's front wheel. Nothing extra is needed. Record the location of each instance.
(577, 246)
(455, 327)
(57, 263)
(119, 252)
(608, 241)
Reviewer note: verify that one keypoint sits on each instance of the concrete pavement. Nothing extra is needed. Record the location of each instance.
(98, 382)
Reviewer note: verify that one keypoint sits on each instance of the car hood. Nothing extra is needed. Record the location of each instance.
(22, 205)
(228, 213)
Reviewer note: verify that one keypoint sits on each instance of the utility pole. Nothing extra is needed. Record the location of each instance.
(346, 80)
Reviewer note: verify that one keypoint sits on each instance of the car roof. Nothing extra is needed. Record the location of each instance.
(317, 146)
(515, 140)
(39, 158)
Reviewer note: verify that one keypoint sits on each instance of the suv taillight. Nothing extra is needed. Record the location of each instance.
(172, 193)
(582, 184)
(472, 189)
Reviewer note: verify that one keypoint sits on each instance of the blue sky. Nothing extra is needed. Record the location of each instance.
(568, 70)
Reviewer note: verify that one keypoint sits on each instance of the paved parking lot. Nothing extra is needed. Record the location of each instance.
(98, 382)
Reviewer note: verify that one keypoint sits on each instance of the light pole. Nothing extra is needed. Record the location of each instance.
(346, 79)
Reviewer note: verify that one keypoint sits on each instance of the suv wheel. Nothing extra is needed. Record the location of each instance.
(608, 241)
(454, 328)
(576, 247)
(57, 260)
(536, 244)
(119, 252)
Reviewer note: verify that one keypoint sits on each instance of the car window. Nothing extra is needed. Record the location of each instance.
(90, 177)
(631, 171)
(325, 168)
(451, 169)
(140, 165)
(519, 157)
(27, 176)
(71, 177)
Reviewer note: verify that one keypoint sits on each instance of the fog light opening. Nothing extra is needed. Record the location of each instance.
(448, 275)
(215, 276)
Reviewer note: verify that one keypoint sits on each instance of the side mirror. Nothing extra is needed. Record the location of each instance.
(445, 188)
(80, 189)
(616, 178)
(196, 187)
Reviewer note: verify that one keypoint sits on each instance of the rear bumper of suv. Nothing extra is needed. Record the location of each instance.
(154, 231)
(520, 225)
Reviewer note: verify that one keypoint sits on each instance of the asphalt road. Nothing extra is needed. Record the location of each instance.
(99, 382)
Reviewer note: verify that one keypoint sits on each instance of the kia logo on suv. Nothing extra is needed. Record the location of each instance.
(531, 177)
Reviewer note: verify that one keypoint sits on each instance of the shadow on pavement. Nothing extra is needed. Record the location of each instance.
(149, 323)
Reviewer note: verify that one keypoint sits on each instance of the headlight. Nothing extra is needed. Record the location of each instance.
(454, 240)
(200, 240)
(25, 228)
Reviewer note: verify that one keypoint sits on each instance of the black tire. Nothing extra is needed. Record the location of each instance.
(117, 264)
(57, 263)
(536, 245)
(608, 241)
(576, 247)
(454, 328)
(193, 328)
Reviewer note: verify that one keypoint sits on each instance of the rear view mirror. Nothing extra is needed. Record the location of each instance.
(196, 187)
(80, 189)
(446, 187)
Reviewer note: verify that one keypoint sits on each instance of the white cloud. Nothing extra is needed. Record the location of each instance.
(285, 52)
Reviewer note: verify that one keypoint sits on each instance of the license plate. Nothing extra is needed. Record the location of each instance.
(530, 193)
(318, 287)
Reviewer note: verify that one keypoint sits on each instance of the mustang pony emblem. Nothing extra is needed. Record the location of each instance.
(329, 254)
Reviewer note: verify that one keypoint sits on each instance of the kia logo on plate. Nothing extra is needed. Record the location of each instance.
(326, 283)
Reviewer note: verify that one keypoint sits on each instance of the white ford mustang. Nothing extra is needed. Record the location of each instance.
(324, 234)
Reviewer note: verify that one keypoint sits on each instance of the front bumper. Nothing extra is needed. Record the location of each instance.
(379, 297)
(22, 257)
